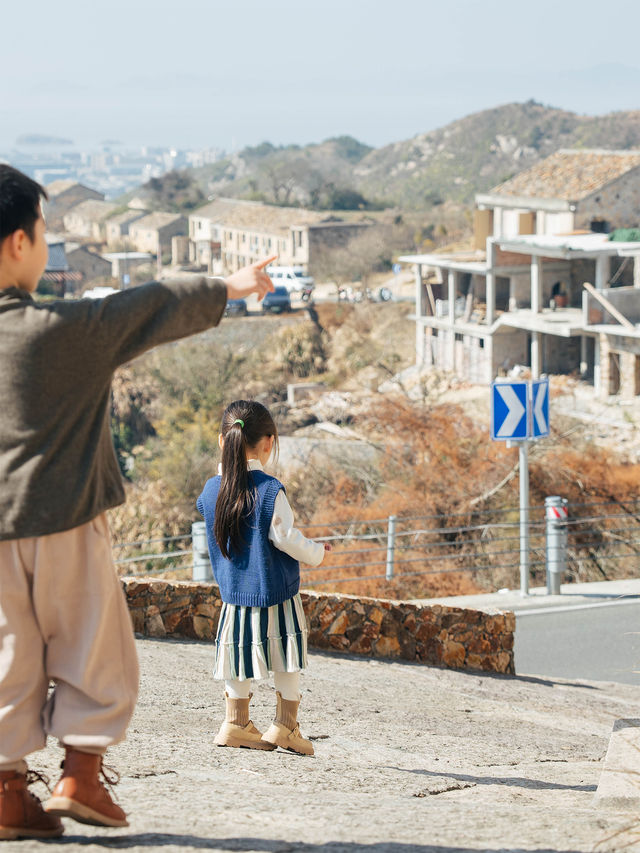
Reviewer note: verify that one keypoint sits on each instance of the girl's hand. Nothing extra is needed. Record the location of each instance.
(251, 279)
(327, 546)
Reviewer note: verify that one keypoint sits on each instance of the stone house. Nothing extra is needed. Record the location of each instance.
(117, 227)
(87, 220)
(63, 195)
(231, 233)
(58, 275)
(153, 232)
(123, 264)
(517, 296)
(89, 266)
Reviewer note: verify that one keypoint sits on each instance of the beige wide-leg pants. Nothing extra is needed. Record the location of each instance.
(63, 618)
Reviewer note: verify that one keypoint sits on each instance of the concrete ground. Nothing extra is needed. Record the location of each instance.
(408, 758)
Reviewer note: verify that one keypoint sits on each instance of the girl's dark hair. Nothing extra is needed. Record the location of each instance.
(19, 202)
(244, 424)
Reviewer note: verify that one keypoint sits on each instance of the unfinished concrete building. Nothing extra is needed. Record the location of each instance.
(517, 297)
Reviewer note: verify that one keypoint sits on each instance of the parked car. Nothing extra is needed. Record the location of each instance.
(277, 301)
(293, 278)
(236, 308)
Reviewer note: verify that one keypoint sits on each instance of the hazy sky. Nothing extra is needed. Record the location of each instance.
(208, 72)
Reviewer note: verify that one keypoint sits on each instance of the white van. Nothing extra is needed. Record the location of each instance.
(293, 278)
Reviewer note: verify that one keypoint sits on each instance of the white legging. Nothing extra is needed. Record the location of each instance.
(286, 683)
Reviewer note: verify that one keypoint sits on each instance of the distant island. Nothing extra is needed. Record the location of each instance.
(42, 139)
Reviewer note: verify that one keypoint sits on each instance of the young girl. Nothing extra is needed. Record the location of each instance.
(254, 550)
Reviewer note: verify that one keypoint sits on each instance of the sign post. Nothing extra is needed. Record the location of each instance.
(525, 563)
(519, 414)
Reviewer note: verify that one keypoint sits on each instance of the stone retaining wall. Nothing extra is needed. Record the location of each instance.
(436, 634)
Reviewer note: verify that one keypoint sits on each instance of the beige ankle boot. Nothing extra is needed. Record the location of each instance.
(284, 731)
(237, 729)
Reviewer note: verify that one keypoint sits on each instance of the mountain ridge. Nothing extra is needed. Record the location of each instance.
(451, 163)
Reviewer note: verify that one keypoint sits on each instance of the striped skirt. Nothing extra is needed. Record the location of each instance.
(254, 641)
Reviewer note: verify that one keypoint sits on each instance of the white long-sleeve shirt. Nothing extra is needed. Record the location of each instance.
(282, 532)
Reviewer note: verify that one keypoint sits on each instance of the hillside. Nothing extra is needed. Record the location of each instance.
(371, 448)
(449, 164)
(483, 149)
(316, 175)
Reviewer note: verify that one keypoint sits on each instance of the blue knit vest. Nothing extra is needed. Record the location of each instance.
(259, 574)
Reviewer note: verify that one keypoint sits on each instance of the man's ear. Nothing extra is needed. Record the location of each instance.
(15, 243)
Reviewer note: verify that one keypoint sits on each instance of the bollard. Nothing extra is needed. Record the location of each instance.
(556, 514)
(202, 570)
(391, 545)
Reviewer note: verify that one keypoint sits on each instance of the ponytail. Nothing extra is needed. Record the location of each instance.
(244, 424)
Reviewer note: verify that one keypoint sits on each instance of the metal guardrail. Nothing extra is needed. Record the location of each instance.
(563, 540)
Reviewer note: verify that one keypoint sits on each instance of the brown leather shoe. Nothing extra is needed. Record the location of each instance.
(21, 812)
(81, 794)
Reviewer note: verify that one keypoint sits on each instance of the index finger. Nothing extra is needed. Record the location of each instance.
(260, 265)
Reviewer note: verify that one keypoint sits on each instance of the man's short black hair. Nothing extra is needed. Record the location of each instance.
(19, 202)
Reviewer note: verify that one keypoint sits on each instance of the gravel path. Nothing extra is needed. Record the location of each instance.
(408, 758)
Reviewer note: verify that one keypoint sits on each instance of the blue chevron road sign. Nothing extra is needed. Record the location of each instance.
(519, 410)
(540, 408)
(509, 410)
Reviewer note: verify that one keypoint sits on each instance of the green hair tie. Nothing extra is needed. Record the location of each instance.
(238, 421)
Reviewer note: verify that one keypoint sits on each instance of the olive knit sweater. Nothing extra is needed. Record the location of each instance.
(58, 468)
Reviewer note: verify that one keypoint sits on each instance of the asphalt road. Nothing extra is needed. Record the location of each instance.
(598, 642)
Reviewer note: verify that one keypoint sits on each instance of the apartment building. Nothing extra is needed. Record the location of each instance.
(227, 234)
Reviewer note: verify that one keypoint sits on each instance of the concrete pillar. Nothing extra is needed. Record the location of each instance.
(488, 360)
(420, 313)
(636, 271)
(602, 271)
(451, 296)
(491, 281)
(583, 355)
(597, 373)
(536, 284)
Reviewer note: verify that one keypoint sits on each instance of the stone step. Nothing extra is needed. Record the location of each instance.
(619, 786)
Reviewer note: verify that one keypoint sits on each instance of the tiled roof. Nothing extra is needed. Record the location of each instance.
(254, 216)
(126, 217)
(570, 174)
(56, 188)
(159, 219)
(92, 210)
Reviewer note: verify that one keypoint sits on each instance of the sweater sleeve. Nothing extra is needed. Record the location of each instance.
(130, 322)
(288, 538)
